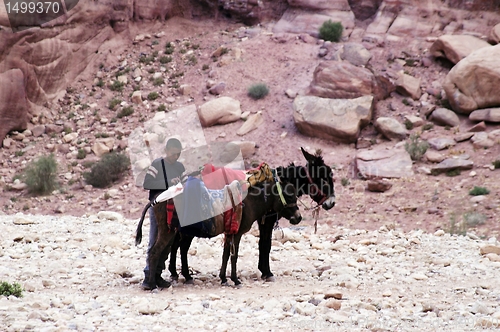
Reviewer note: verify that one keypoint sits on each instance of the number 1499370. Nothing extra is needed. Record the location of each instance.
(38, 7)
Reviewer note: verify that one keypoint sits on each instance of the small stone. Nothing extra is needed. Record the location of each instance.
(439, 232)
(490, 249)
(481, 126)
(291, 93)
(333, 294)
(333, 304)
(379, 185)
(419, 276)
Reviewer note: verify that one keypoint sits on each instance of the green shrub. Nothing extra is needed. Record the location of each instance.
(110, 168)
(408, 124)
(453, 172)
(7, 289)
(258, 91)
(415, 147)
(40, 175)
(192, 60)
(146, 59)
(161, 108)
(116, 86)
(158, 81)
(169, 49)
(331, 31)
(100, 83)
(345, 182)
(427, 126)
(126, 111)
(153, 95)
(165, 59)
(113, 103)
(476, 191)
(205, 67)
(81, 154)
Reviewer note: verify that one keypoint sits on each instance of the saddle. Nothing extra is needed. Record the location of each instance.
(207, 212)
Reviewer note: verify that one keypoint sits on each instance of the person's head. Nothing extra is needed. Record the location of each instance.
(173, 148)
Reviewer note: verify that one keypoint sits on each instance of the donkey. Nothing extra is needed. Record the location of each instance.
(261, 199)
(316, 180)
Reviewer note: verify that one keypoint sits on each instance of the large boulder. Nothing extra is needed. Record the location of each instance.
(341, 79)
(219, 111)
(336, 119)
(382, 163)
(14, 105)
(456, 47)
(473, 82)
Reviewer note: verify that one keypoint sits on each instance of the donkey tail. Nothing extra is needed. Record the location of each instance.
(138, 233)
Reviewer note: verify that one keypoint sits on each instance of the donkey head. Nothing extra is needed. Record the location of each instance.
(320, 178)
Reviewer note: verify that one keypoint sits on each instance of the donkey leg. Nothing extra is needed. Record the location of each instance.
(234, 259)
(185, 243)
(265, 239)
(172, 265)
(223, 268)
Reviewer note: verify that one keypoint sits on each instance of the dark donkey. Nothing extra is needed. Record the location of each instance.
(315, 180)
(261, 199)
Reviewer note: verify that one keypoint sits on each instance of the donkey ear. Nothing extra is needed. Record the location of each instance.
(307, 155)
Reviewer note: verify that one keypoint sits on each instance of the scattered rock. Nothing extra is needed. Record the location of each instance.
(456, 47)
(463, 137)
(441, 143)
(219, 111)
(433, 156)
(379, 185)
(407, 85)
(381, 163)
(391, 128)
(481, 126)
(342, 80)
(451, 164)
(253, 121)
(490, 249)
(486, 114)
(217, 89)
(445, 117)
(335, 119)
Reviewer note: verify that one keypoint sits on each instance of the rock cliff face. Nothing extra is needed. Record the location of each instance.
(50, 57)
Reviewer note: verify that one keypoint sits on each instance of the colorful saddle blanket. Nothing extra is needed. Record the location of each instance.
(206, 213)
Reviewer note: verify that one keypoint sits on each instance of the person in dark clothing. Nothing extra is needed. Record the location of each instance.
(162, 173)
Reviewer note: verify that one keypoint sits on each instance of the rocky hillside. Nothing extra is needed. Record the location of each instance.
(146, 72)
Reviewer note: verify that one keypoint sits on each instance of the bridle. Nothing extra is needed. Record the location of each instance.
(316, 191)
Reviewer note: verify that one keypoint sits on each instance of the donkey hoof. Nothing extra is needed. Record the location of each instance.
(238, 286)
(270, 279)
(189, 282)
(224, 283)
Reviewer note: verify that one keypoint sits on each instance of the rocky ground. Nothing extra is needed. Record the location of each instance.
(83, 274)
